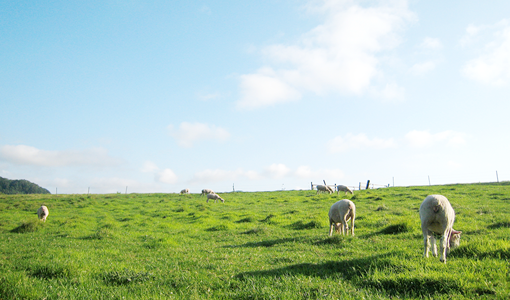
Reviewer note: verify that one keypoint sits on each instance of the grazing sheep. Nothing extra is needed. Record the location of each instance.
(206, 191)
(324, 188)
(214, 197)
(185, 191)
(437, 216)
(343, 188)
(43, 213)
(339, 214)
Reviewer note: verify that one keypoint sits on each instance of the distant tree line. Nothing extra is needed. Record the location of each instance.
(8, 186)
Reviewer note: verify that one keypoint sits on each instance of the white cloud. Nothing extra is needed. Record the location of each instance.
(492, 67)
(166, 176)
(424, 67)
(340, 55)
(264, 89)
(431, 43)
(27, 155)
(306, 172)
(392, 93)
(277, 170)
(149, 167)
(221, 175)
(360, 141)
(424, 138)
(189, 133)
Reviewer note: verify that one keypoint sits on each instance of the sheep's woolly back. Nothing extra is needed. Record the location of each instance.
(324, 188)
(214, 197)
(339, 213)
(343, 188)
(436, 212)
(43, 213)
(207, 191)
(437, 216)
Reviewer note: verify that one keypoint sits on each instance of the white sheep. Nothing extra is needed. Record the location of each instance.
(437, 216)
(324, 188)
(343, 188)
(206, 191)
(185, 191)
(339, 214)
(214, 197)
(43, 213)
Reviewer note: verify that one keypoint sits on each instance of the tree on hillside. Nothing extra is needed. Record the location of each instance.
(8, 186)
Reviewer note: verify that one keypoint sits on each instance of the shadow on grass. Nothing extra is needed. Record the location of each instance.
(268, 243)
(360, 272)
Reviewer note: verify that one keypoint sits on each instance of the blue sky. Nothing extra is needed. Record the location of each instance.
(159, 96)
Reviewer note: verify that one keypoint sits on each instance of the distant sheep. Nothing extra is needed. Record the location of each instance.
(206, 191)
(43, 213)
(437, 216)
(343, 188)
(185, 191)
(339, 214)
(324, 188)
(215, 198)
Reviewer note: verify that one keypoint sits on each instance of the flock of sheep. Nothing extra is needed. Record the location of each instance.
(436, 214)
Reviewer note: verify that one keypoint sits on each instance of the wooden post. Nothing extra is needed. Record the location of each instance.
(311, 184)
(233, 189)
(497, 178)
(359, 188)
(126, 190)
(429, 179)
(368, 184)
(88, 192)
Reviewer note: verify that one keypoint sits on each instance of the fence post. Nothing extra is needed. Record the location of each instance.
(497, 178)
(368, 184)
(311, 183)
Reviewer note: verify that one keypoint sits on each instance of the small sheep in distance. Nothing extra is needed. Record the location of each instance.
(214, 197)
(324, 188)
(437, 216)
(185, 191)
(343, 188)
(206, 191)
(43, 213)
(339, 214)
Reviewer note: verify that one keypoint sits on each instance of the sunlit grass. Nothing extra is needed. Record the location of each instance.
(263, 245)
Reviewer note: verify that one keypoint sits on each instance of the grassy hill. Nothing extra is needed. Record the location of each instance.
(259, 245)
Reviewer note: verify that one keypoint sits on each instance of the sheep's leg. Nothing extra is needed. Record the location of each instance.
(426, 242)
(433, 245)
(352, 225)
(444, 245)
(331, 225)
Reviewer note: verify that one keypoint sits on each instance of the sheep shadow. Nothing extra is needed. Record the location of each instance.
(268, 243)
(358, 272)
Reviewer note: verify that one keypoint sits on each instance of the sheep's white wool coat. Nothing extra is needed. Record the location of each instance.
(339, 213)
(437, 216)
(43, 213)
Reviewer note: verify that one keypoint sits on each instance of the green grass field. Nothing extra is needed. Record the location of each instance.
(257, 245)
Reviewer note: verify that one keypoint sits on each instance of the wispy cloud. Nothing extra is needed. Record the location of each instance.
(431, 43)
(424, 138)
(423, 67)
(189, 133)
(27, 155)
(340, 55)
(492, 66)
(217, 175)
(273, 171)
(166, 176)
(360, 141)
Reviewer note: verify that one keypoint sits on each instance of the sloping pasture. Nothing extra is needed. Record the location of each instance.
(257, 245)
